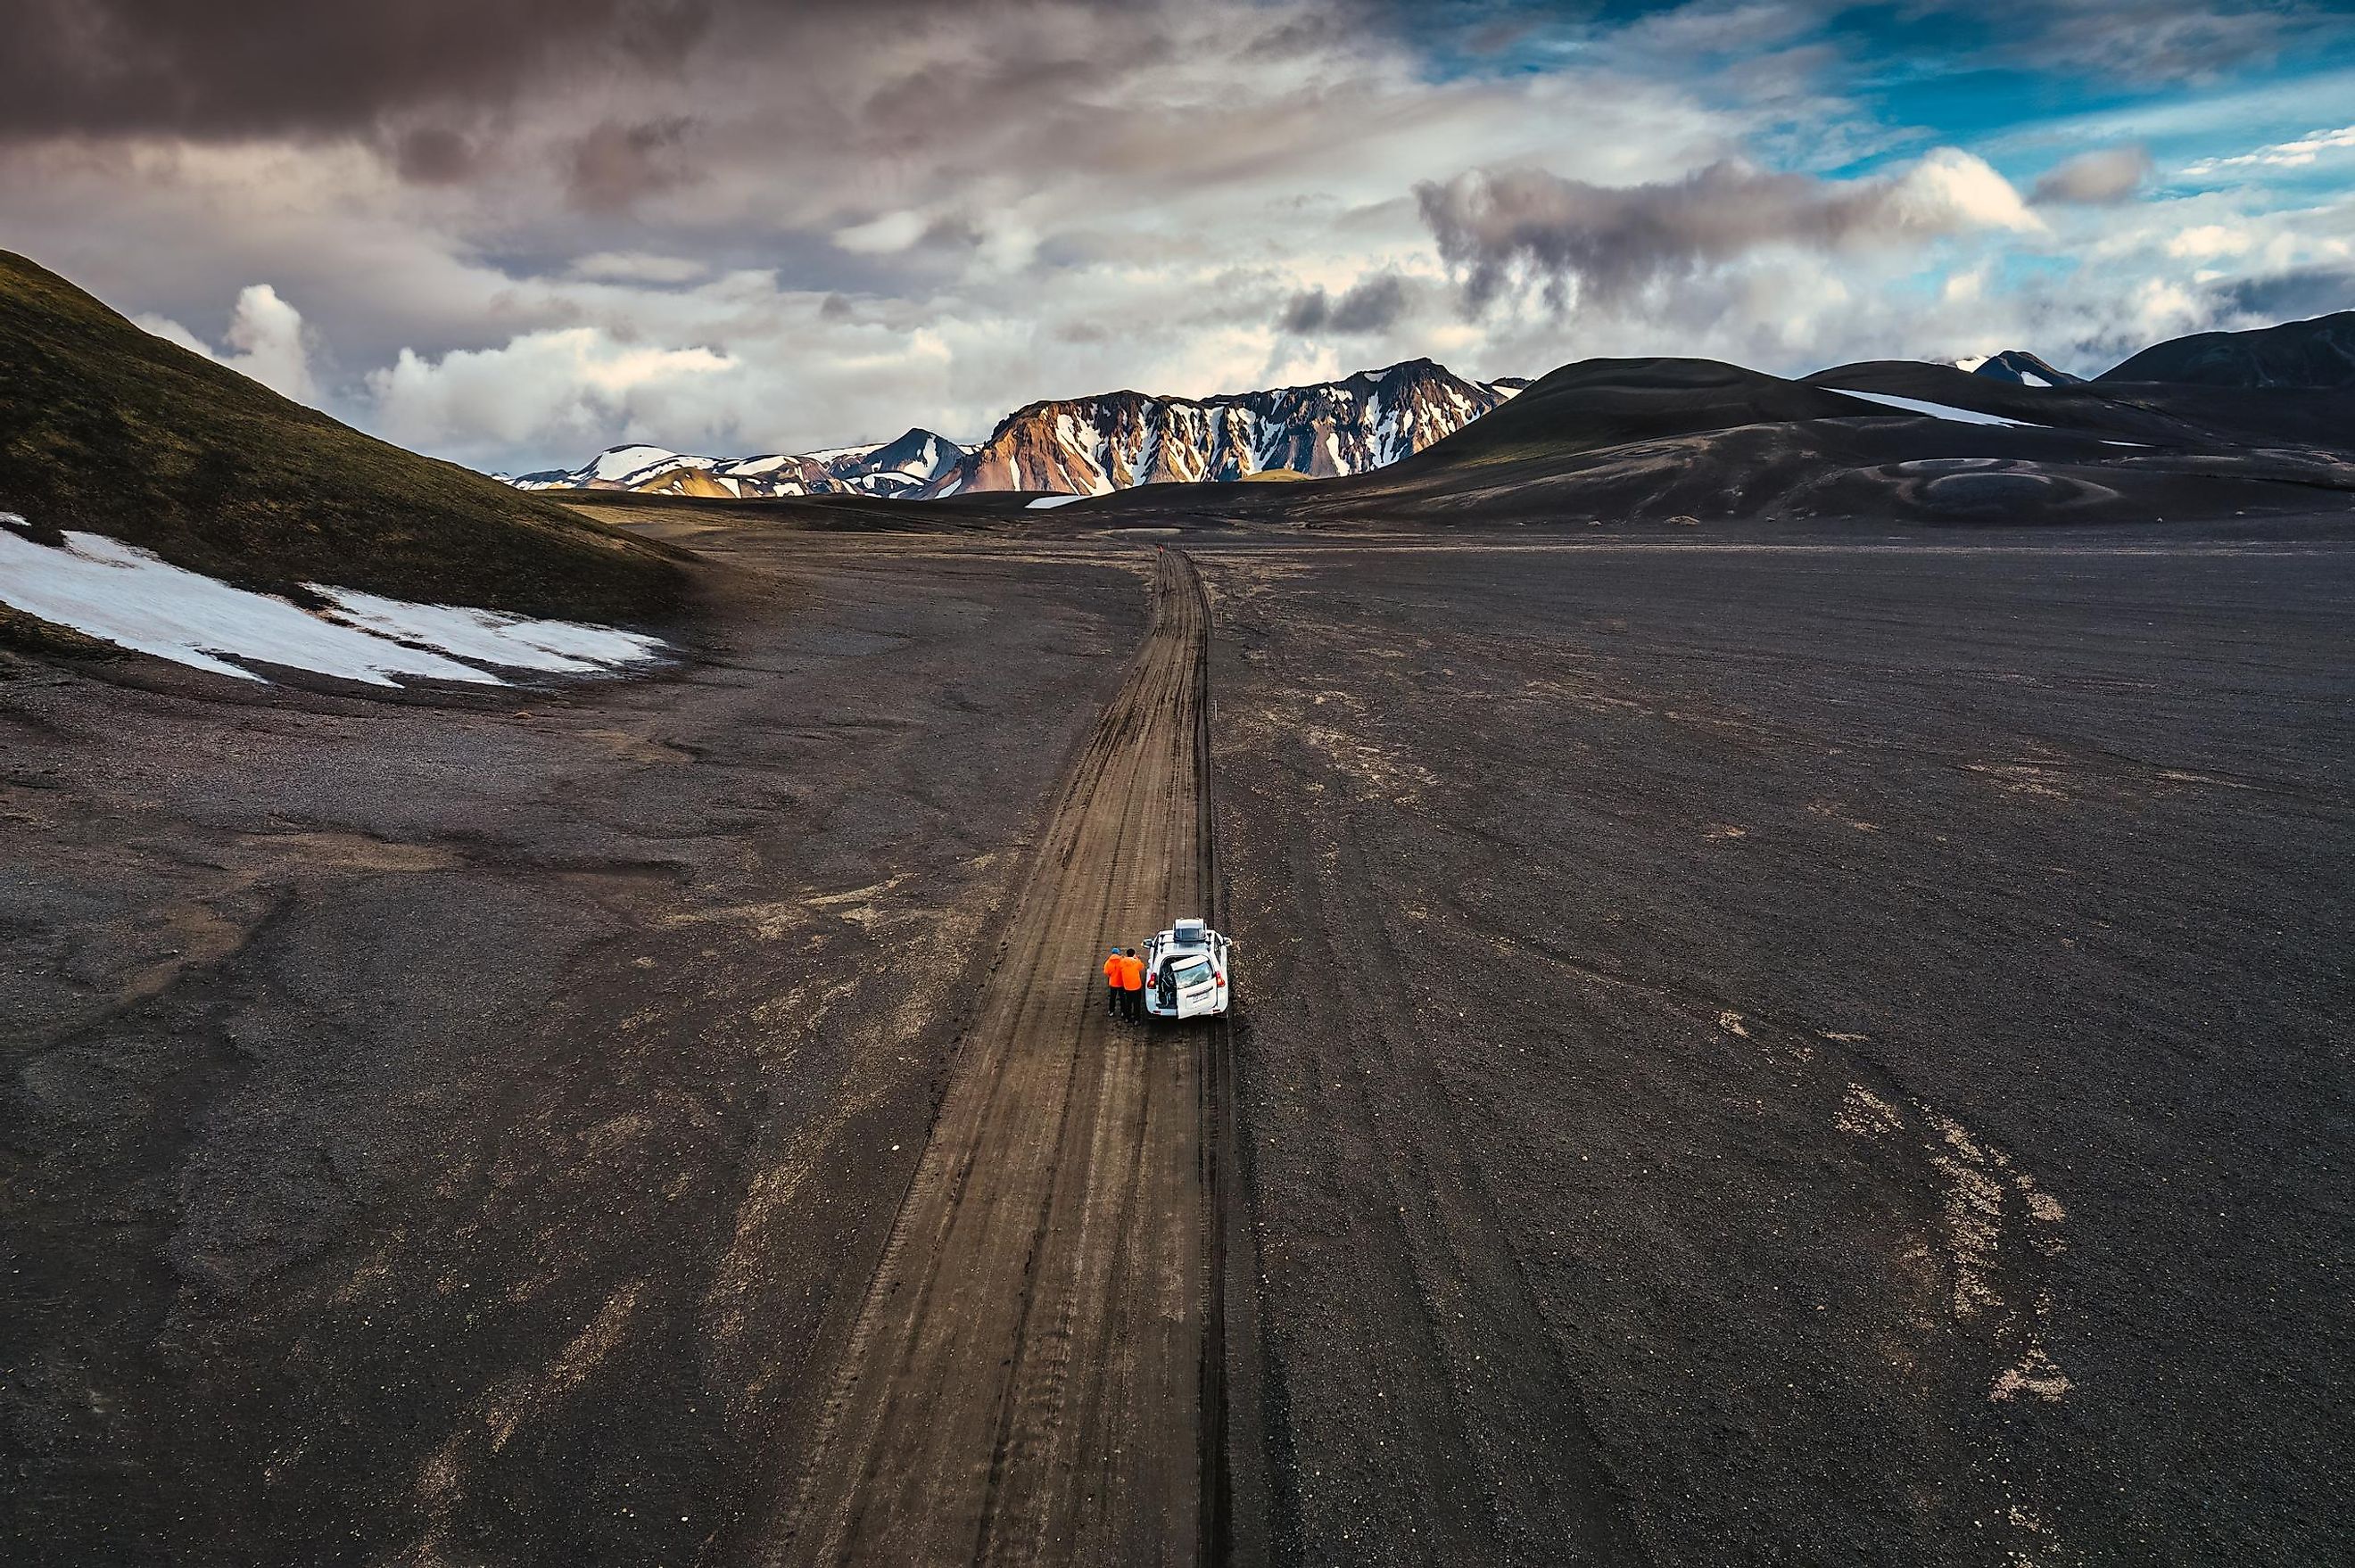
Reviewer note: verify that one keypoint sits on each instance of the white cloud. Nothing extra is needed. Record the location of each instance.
(638, 267)
(2209, 240)
(2163, 309)
(266, 341)
(881, 236)
(1950, 191)
(573, 383)
(2289, 154)
(1508, 230)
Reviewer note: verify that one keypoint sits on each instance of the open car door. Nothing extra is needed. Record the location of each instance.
(1198, 990)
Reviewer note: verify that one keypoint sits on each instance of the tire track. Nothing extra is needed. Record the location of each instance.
(1036, 1374)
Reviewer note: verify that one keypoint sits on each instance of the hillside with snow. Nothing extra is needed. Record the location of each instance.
(110, 431)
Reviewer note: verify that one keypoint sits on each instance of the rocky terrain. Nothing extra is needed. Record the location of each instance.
(1092, 446)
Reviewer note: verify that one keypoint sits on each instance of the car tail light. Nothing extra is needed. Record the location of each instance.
(1217, 978)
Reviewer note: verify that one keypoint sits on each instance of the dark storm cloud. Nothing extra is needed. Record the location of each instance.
(305, 69)
(617, 163)
(2291, 296)
(1370, 305)
(2151, 41)
(300, 66)
(433, 155)
(1613, 240)
(2101, 179)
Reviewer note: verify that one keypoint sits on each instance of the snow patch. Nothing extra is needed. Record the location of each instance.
(562, 648)
(1046, 502)
(1935, 411)
(621, 462)
(135, 599)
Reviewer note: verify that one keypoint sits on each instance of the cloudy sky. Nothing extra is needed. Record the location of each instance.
(512, 232)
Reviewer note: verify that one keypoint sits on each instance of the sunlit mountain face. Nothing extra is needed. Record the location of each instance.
(513, 235)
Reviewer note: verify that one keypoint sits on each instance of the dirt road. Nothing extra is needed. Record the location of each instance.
(1026, 1379)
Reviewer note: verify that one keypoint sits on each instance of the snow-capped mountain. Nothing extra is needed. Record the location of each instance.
(901, 467)
(1089, 447)
(1092, 446)
(2019, 366)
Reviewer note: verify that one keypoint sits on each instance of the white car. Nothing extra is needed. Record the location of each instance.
(1185, 972)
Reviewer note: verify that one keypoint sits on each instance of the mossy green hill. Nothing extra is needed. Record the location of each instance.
(109, 429)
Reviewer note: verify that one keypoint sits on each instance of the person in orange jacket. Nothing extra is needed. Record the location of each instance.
(1132, 986)
(1112, 983)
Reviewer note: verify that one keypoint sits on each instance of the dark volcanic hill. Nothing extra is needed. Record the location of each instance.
(1600, 403)
(2319, 354)
(2021, 366)
(109, 429)
(1612, 442)
(2159, 415)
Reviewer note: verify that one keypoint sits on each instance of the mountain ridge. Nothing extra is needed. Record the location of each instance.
(895, 468)
(1088, 445)
(1370, 419)
(1118, 441)
(2317, 354)
(2022, 368)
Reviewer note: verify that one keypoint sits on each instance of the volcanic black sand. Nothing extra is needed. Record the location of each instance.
(1749, 1050)
(446, 1135)
(1797, 1054)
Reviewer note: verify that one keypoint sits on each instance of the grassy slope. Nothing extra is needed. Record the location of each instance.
(107, 428)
